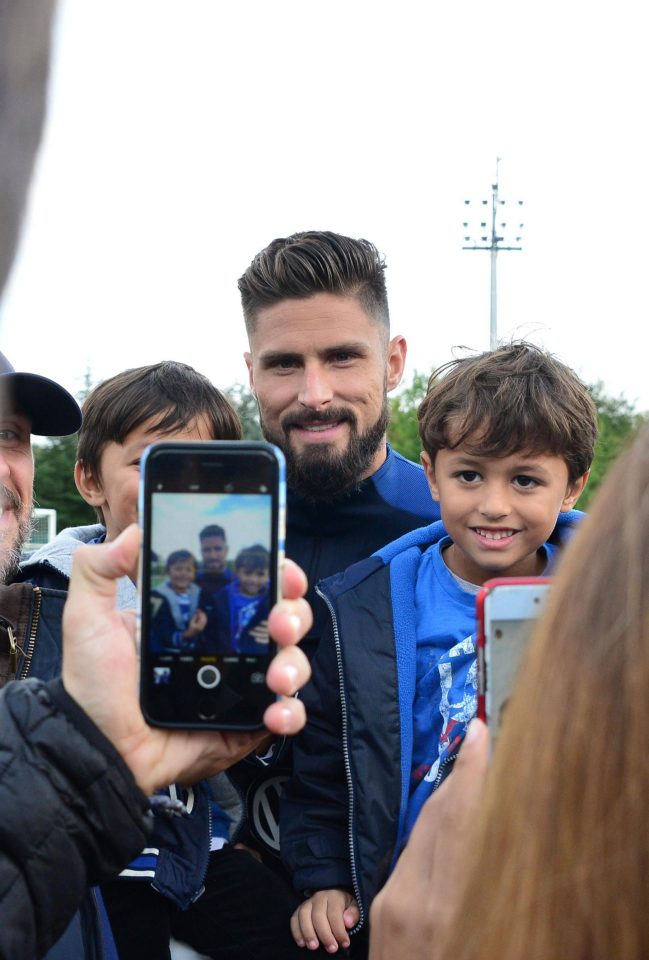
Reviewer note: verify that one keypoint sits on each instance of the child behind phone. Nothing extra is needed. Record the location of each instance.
(242, 607)
(508, 441)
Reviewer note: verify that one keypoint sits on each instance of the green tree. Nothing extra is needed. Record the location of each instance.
(403, 432)
(54, 485)
(618, 422)
(243, 401)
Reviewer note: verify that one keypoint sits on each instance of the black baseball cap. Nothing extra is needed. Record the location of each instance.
(52, 410)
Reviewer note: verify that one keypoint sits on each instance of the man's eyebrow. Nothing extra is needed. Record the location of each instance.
(269, 358)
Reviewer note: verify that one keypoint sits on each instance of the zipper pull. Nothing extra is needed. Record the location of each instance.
(13, 650)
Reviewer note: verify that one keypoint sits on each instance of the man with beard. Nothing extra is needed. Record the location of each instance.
(321, 363)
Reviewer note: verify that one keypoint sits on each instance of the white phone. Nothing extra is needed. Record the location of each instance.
(506, 611)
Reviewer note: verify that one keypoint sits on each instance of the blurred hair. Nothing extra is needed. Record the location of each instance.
(299, 266)
(561, 865)
(180, 556)
(170, 394)
(252, 558)
(517, 397)
(212, 530)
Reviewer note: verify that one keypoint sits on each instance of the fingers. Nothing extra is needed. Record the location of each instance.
(288, 671)
(320, 920)
(294, 582)
(289, 620)
(96, 568)
(286, 717)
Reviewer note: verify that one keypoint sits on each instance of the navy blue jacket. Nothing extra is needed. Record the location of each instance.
(342, 813)
(324, 538)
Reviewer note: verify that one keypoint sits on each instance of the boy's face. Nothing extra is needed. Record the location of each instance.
(181, 574)
(252, 582)
(115, 490)
(498, 511)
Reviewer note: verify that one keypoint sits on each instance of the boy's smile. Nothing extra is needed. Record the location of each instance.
(499, 511)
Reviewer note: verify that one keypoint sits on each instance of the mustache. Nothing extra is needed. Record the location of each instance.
(8, 496)
(306, 418)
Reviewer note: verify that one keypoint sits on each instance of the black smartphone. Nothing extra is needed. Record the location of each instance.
(507, 609)
(212, 516)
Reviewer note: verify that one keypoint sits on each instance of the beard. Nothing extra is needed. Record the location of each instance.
(319, 472)
(11, 549)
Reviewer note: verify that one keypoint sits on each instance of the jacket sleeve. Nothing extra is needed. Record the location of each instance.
(313, 809)
(71, 815)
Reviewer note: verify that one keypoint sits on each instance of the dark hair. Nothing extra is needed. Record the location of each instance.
(299, 266)
(180, 556)
(515, 398)
(212, 530)
(169, 393)
(253, 558)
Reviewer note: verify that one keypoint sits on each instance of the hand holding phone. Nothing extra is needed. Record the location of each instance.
(506, 611)
(212, 518)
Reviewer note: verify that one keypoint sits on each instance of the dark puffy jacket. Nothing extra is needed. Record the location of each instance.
(71, 815)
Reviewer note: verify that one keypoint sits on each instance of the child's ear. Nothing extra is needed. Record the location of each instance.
(574, 491)
(429, 467)
(88, 486)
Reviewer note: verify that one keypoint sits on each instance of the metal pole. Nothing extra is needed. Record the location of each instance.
(493, 313)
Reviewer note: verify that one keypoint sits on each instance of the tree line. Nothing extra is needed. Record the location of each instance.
(54, 488)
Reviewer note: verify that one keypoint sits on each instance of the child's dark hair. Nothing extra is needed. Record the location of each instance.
(170, 394)
(180, 556)
(252, 558)
(515, 398)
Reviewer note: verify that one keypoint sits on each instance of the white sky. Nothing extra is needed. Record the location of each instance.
(184, 135)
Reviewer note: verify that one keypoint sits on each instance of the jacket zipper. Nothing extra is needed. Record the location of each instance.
(29, 649)
(348, 772)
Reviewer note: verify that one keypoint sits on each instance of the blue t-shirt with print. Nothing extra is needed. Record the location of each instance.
(446, 690)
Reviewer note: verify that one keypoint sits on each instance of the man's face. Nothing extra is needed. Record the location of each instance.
(16, 488)
(320, 369)
(214, 551)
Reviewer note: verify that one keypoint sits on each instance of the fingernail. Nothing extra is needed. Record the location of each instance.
(297, 623)
(292, 673)
(287, 718)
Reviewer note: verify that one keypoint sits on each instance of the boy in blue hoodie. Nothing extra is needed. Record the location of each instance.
(508, 440)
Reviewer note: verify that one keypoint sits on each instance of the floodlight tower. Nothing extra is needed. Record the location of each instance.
(478, 237)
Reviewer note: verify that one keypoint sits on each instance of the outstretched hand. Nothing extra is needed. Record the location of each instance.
(413, 912)
(100, 671)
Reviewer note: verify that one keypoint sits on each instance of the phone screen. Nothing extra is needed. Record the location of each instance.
(212, 520)
(507, 610)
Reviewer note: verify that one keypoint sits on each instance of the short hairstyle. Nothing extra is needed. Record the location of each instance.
(299, 266)
(252, 558)
(171, 394)
(517, 397)
(180, 556)
(212, 530)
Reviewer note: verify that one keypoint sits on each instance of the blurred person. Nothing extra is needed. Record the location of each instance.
(241, 609)
(214, 573)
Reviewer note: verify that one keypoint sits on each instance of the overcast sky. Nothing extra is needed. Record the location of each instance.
(184, 136)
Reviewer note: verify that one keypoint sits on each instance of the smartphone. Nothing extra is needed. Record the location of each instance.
(212, 516)
(506, 611)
